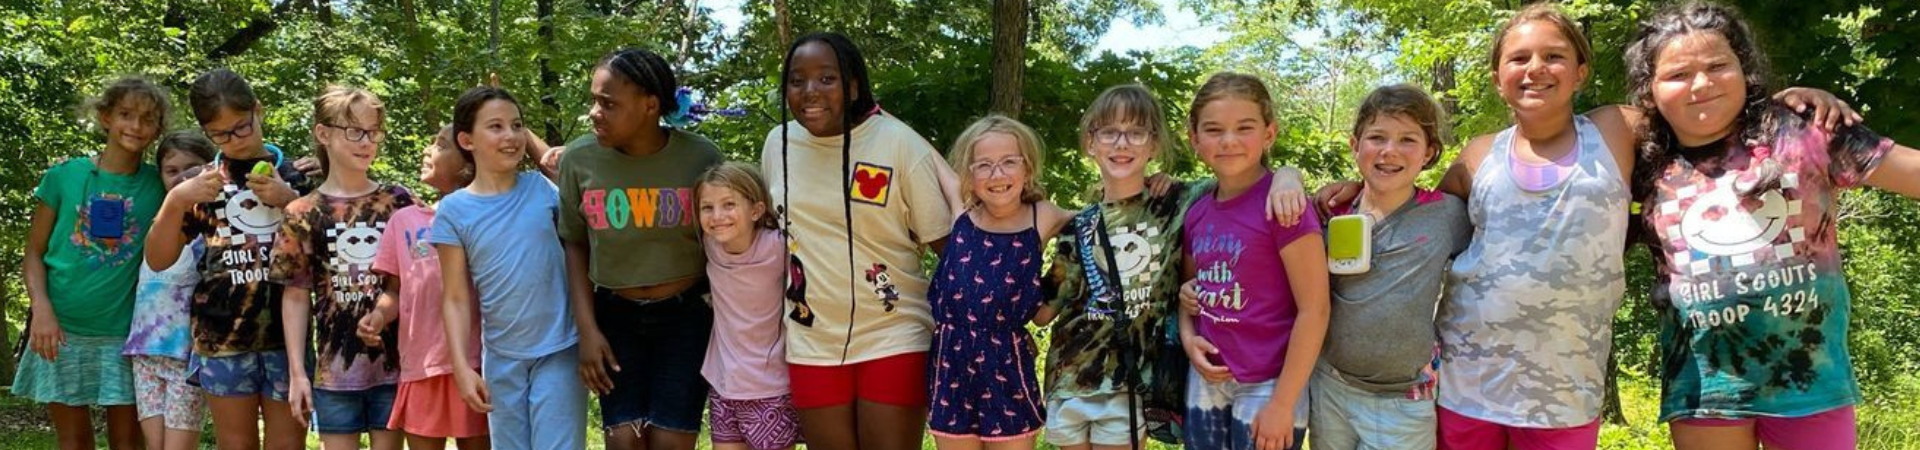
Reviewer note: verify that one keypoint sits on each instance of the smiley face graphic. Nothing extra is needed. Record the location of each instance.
(354, 245)
(1721, 223)
(248, 215)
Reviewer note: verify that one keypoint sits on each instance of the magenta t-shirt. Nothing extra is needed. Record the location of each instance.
(404, 252)
(1246, 304)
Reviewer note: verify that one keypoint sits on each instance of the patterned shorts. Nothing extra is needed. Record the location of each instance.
(766, 423)
(160, 385)
(262, 373)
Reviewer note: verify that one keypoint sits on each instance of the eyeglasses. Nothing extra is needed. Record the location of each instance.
(1110, 136)
(983, 169)
(221, 137)
(360, 134)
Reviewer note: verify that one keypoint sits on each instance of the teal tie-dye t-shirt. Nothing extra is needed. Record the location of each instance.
(1753, 304)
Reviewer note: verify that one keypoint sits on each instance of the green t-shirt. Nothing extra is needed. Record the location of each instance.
(90, 278)
(636, 213)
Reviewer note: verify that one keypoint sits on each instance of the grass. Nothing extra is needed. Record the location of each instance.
(1887, 421)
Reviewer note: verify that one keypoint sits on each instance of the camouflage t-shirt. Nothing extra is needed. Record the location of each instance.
(1753, 303)
(1091, 331)
(327, 245)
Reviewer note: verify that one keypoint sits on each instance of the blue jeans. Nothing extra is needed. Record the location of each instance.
(352, 412)
(660, 347)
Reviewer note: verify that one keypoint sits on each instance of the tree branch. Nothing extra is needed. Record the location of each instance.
(257, 28)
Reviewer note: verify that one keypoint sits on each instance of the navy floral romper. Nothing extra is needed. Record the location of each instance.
(984, 292)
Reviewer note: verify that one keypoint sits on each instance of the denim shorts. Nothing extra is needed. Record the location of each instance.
(352, 412)
(247, 374)
(660, 346)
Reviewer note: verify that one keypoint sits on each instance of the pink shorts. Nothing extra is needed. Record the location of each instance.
(432, 408)
(1458, 432)
(1834, 429)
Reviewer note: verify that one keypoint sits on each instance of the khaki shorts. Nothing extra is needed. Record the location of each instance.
(1097, 419)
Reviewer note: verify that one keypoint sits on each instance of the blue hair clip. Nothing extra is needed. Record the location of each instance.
(691, 112)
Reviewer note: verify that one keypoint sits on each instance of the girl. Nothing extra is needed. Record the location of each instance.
(171, 411)
(860, 326)
(752, 407)
(1739, 190)
(427, 405)
(986, 289)
(498, 248)
(239, 352)
(643, 325)
(1108, 312)
(324, 257)
(80, 268)
(1374, 385)
(1249, 391)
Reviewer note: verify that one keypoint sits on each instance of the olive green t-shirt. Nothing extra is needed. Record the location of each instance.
(635, 213)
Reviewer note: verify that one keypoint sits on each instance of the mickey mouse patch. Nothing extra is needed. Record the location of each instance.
(872, 184)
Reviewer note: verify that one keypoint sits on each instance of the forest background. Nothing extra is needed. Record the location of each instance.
(938, 64)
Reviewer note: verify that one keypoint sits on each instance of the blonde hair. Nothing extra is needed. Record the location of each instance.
(334, 107)
(961, 156)
(743, 179)
(1403, 100)
(1543, 12)
(1131, 102)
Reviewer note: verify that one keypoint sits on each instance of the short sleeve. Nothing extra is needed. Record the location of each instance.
(1853, 152)
(572, 225)
(1458, 225)
(393, 243)
(927, 209)
(1309, 225)
(51, 183)
(446, 229)
(293, 250)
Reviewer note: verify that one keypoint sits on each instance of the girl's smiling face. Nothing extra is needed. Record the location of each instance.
(131, 125)
(1391, 151)
(1122, 148)
(999, 170)
(727, 216)
(344, 153)
(1231, 136)
(1699, 87)
(496, 139)
(176, 165)
(816, 95)
(442, 167)
(1539, 69)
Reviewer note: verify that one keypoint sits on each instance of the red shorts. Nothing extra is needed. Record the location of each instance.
(898, 380)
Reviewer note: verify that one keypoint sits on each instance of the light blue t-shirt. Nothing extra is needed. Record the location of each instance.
(518, 268)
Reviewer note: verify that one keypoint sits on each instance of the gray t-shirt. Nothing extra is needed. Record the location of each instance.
(1381, 330)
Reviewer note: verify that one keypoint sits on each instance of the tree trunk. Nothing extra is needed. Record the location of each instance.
(549, 80)
(1443, 83)
(783, 21)
(6, 323)
(1009, 68)
(689, 36)
(1610, 405)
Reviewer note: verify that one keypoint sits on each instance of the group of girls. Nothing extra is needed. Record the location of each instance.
(643, 268)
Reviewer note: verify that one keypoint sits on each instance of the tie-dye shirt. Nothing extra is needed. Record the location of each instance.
(1753, 303)
(327, 245)
(160, 307)
(235, 309)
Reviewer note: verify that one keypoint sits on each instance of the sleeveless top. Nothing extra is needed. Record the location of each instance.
(1526, 325)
